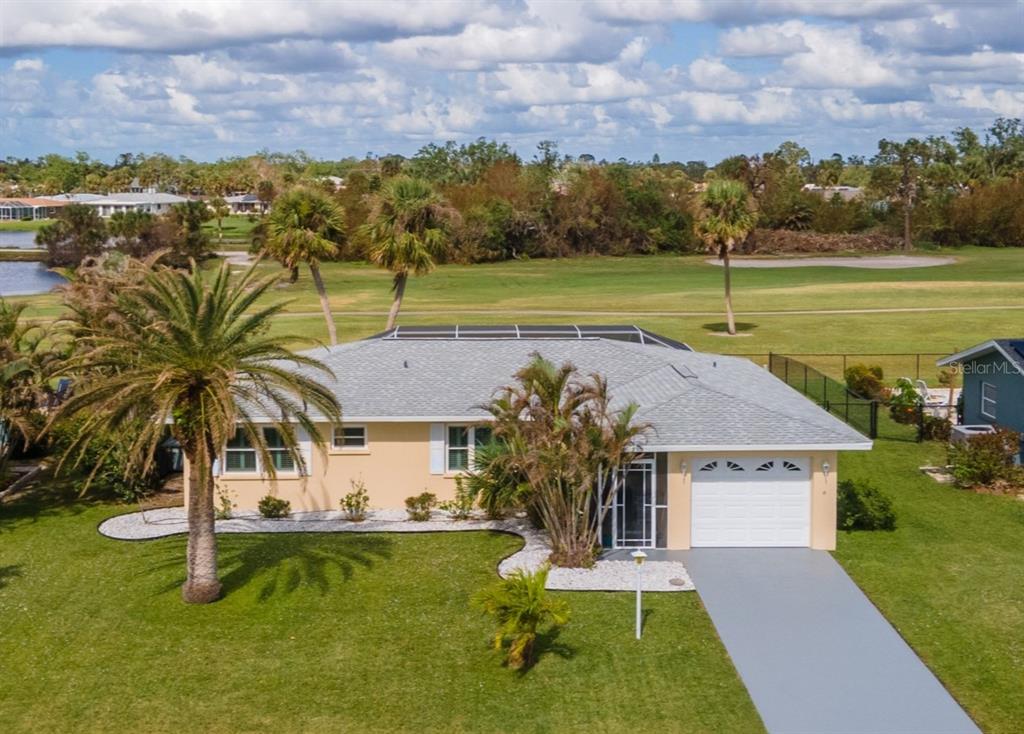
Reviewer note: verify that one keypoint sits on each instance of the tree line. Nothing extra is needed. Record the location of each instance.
(967, 188)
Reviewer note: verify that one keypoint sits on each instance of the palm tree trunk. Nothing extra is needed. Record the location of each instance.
(729, 318)
(201, 584)
(293, 276)
(332, 333)
(399, 289)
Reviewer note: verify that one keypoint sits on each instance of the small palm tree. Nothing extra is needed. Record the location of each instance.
(520, 606)
(191, 352)
(406, 231)
(18, 378)
(305, 226)
(725, 221)
(220, 209)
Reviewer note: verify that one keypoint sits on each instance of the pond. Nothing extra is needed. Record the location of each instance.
(17, 239)
(25, 279)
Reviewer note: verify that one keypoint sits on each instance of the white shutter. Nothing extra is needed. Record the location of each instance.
(437, 448)
(305, 449)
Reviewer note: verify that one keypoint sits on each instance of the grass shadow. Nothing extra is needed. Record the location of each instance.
(9, 572)
(547, 643)
(644, 616)
(282, 563)
(45, 496)
(721, 327)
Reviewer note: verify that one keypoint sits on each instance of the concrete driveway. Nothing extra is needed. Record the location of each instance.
(813, 651)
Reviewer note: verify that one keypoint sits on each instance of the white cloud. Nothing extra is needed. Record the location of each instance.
(754, 41)
(712, 74)
(527, 85)
(30, 65)
(995, 101)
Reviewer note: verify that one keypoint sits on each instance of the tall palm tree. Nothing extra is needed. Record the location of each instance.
(191, 352)
(220, 209)
(305, 226)
(406, 231)
(726, 220)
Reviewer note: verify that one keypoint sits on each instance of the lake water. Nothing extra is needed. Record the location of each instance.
(25, 279)
(19, 240)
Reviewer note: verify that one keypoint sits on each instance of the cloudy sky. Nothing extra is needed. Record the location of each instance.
(686, 79)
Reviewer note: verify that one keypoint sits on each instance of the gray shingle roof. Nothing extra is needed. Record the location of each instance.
(1011, 349)
(691, 399)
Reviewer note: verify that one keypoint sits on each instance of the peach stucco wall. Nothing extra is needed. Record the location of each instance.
(396, 464)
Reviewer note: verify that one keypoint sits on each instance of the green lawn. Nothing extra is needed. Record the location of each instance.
(681, 297)
(235, 228)
(950, 578)
(359, 633)
(19, 225)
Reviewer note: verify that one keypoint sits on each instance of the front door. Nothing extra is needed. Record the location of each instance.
(633, 516)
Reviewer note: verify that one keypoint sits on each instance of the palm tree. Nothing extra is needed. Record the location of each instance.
(18, 377)
(220, 209)
(191, 353)
(406, 231)
(520, 605)
(305, 226)
(561, 447)
(725, 221)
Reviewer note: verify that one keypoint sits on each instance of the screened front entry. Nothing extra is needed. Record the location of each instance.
(639, 514)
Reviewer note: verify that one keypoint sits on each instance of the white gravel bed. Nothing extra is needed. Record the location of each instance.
(604, 576)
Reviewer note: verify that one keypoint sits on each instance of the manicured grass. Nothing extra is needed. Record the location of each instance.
(23, 226)
(359, 633)
(950, 578)
(235, 227)
(681, 297)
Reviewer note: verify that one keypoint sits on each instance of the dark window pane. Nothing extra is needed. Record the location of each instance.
(239, 441)
(458, 436)
(482, 436)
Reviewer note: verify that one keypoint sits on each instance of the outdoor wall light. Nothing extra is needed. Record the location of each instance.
(825, 468)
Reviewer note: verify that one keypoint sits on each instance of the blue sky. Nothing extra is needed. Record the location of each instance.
(686, 79)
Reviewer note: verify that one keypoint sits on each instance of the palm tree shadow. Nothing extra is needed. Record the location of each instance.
(645, 615)
(547, 643)
(284, 562)
(9, 572)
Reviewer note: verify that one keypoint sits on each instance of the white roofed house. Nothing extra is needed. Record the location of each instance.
(734, 457)
(246, 204)
(153, 202)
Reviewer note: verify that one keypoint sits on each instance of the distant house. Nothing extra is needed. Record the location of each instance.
(29, 208)
(846, 193)
(106, 205)
(246, 204)
(336, 181)
(993, 374)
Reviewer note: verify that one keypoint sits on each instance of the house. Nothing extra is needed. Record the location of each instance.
(29, 207)
(154, 202)
(846, 193)
(734, 457)
(246, 204)
(993, 384)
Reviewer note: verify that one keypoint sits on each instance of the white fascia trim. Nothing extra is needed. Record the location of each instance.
(976, 351)
(705, 448)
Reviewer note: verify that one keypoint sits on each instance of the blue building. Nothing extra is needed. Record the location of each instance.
(993, 380)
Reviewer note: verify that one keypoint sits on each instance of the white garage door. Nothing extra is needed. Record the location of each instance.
(751, 502)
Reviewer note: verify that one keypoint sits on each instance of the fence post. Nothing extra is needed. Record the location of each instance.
(805, 378)
(917, 372)
(787, 371)
(844, 366)
(874, 419)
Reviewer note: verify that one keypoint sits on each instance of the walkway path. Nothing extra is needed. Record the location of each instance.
(815, 654)
(885, 262)
(606, 575)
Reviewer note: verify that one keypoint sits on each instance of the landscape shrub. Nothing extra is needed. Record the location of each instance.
(104, 466)
(934, 428)
(862, 506)
(865, 380)
(987, 459)
(357, 502)
(225, 506)
(520, 606)
(274, 508)
(419, 506)
(904, 402)
(991, 216)
(460, 508)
